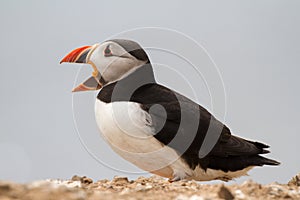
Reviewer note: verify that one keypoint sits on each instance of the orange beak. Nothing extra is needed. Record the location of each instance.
(77, 55)
(81, 55)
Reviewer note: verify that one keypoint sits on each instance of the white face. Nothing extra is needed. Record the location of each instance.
(113, 61)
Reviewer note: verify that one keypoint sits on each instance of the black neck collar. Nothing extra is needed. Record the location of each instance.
(123, 89)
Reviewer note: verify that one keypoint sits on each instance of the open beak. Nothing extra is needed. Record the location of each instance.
(82, 55)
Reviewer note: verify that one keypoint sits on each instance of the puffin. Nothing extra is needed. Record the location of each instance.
(156, 128)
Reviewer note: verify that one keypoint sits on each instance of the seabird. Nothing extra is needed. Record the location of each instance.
(156, 128)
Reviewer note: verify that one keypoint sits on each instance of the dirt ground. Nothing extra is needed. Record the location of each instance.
(80, 188)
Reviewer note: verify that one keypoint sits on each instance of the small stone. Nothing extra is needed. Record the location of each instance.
(295, 180)
(76, 178)
(119, 179)
(287, 196)
(148, 187)
(86, 180)
(5, 187)
(239, 194)
(224, 193)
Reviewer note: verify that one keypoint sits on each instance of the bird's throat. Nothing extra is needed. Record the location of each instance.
(123, 89)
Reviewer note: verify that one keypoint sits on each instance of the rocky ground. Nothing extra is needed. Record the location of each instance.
(79, 188)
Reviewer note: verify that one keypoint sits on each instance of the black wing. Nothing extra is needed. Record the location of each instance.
(183, 124)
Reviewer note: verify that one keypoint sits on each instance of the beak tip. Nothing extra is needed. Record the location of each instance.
(63, 61)
(79, 88)
(74, 55)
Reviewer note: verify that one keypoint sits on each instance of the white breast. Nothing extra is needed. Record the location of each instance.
(128, 130)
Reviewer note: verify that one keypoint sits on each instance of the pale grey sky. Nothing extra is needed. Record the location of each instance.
(255, 45)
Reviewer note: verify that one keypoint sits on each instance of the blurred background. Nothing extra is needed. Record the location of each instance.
(46, 132)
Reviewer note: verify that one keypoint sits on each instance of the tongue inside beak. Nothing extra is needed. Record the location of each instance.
(81, 55)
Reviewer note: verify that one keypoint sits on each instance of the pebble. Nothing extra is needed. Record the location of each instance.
(224, 193)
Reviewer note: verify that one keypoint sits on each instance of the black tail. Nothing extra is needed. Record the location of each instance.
(260, 146)
(236, 154)
(234, 163)
(260, 161)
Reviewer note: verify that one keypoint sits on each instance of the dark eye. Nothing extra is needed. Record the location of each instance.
(107, 51)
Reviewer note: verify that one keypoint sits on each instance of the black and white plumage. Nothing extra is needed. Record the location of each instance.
(156, 128)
